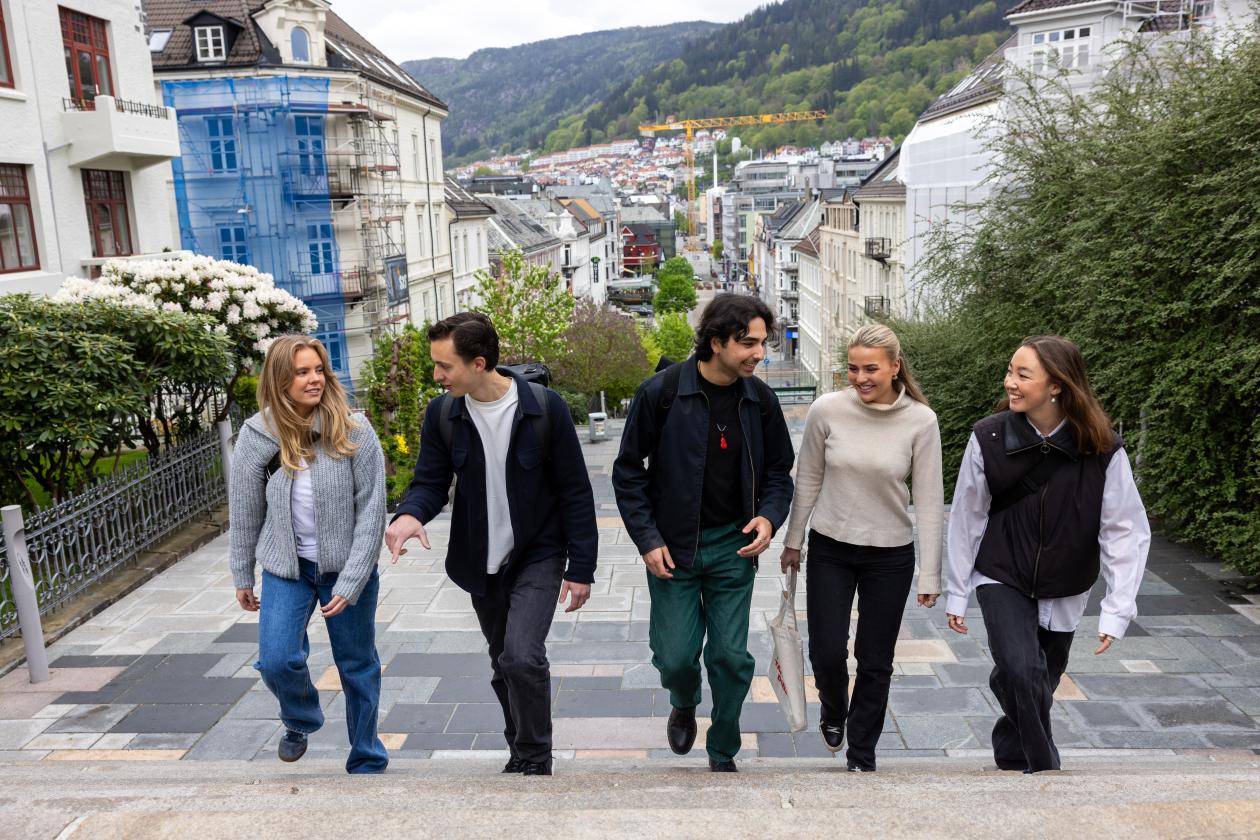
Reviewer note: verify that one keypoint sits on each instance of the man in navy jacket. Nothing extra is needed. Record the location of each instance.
(715, 487)
(523, 506)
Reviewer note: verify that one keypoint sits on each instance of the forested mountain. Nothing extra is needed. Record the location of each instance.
(510, 99)
(873, 64)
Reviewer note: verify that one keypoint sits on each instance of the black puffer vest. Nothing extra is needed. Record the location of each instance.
(1046, 543)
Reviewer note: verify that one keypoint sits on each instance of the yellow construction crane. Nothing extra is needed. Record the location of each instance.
(690, 127)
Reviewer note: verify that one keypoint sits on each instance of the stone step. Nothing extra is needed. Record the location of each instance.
(1118, 796)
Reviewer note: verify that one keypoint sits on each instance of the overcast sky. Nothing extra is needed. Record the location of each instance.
(409, 29)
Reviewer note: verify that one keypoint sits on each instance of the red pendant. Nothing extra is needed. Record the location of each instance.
(722, 442)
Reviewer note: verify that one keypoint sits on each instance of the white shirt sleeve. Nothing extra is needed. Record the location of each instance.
(1124, 537)
(968, 518)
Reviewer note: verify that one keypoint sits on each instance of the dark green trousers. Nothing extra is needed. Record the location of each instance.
(711, 599)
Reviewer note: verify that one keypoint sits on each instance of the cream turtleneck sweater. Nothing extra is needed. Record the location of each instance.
(851, 477)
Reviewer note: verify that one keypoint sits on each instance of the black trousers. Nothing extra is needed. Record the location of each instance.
(515, 616)
(1028, 662)
(880, 577)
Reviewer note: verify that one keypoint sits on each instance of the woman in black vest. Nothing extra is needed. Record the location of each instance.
(1045, 499)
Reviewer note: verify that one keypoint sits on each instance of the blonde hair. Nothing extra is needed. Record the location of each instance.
(880, 337)
(281, 414)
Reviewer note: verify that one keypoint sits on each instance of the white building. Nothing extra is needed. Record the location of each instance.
(82, 142)
(812, 348)
(468, 229)
(881, 227)
(307, 153)
(944, 160)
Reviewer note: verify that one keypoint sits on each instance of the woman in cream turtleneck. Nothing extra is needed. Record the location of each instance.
(861, 446)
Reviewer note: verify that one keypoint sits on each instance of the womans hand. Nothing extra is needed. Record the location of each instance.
(248, 601)
(957, 624)
(929, 601)
(790, 559)
(1106, 643)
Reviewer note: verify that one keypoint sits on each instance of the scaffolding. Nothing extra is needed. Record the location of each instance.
(300, 177)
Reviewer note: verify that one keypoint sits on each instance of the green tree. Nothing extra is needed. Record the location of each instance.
(530, 308)
(398, 384)
(603, 353)
(717, 249)
(675, 287)
(76, 380)
(484, 172)
(680, 218)
(674, 335)
(1104, 227)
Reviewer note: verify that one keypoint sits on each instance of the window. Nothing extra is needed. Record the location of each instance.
(105, 192)
(232, 244)
(434, 164)
(420, 227)
(6, 69)
(415, 156)
(320, 249)
(158, 39)
(310, 144)
(301, 44)
(85, 41)
(1065, 48)
(331, 335)
(18, 250)
(211, 45)
(222, 144)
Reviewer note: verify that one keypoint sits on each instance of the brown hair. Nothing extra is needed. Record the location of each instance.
(281, 415)
(880, 337)
(1062, 359)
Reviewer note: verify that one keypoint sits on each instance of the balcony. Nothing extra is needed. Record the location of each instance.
(878, 248)
(111, 133)
(350, 284)
(878, 307)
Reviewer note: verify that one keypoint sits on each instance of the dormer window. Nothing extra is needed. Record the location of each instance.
(301, 44)
(211, 44)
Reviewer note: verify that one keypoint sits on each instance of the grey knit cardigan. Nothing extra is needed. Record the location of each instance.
(349, 509)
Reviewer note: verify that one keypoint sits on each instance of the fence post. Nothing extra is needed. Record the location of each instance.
(22, 583)
(225, 444)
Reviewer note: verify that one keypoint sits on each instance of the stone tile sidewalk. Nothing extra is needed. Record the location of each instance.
(167, 672)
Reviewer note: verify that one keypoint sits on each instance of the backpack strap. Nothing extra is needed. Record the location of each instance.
(1031, 483)
(669, 390)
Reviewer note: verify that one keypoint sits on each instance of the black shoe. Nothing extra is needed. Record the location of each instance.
(514, 765)
(727, 766)
(681, 730)
(292, 746)
(535, 768)
(833, 736)
(858, 768)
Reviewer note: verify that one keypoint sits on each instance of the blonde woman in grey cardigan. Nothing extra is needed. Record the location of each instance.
(860, 447)
(307, 503)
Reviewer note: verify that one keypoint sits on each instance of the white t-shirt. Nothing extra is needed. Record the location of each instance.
(302, 512)
(494, 424)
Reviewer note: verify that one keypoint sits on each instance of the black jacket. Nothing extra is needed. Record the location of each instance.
(549, 490)
(660, 502)
(1046, 543)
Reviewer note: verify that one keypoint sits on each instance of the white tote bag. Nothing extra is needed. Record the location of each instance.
(787, 664)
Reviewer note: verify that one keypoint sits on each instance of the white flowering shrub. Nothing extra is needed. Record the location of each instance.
(243, 302)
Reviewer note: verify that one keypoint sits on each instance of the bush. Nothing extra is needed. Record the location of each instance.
(398, 384)
(603, 353)
(577, 405)
(1104, 227)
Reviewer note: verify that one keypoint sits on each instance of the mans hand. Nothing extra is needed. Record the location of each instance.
(247, 600)
(957, 624)
(790, 559)
(334, 607)
(928, 601)
(399, 531)
(659, 562)
(1106, 643)
(761, 542)
(578, 594)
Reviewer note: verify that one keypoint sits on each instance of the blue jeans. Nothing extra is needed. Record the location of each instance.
(283, 647)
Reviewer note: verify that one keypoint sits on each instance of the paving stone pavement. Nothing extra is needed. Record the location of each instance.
(168, 671)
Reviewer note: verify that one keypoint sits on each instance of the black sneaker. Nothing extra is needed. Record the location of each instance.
(858, 768)
(292, 746)
(833, 736)
(727, 766)
(514, 765)
(536, 768)
(680, 731)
